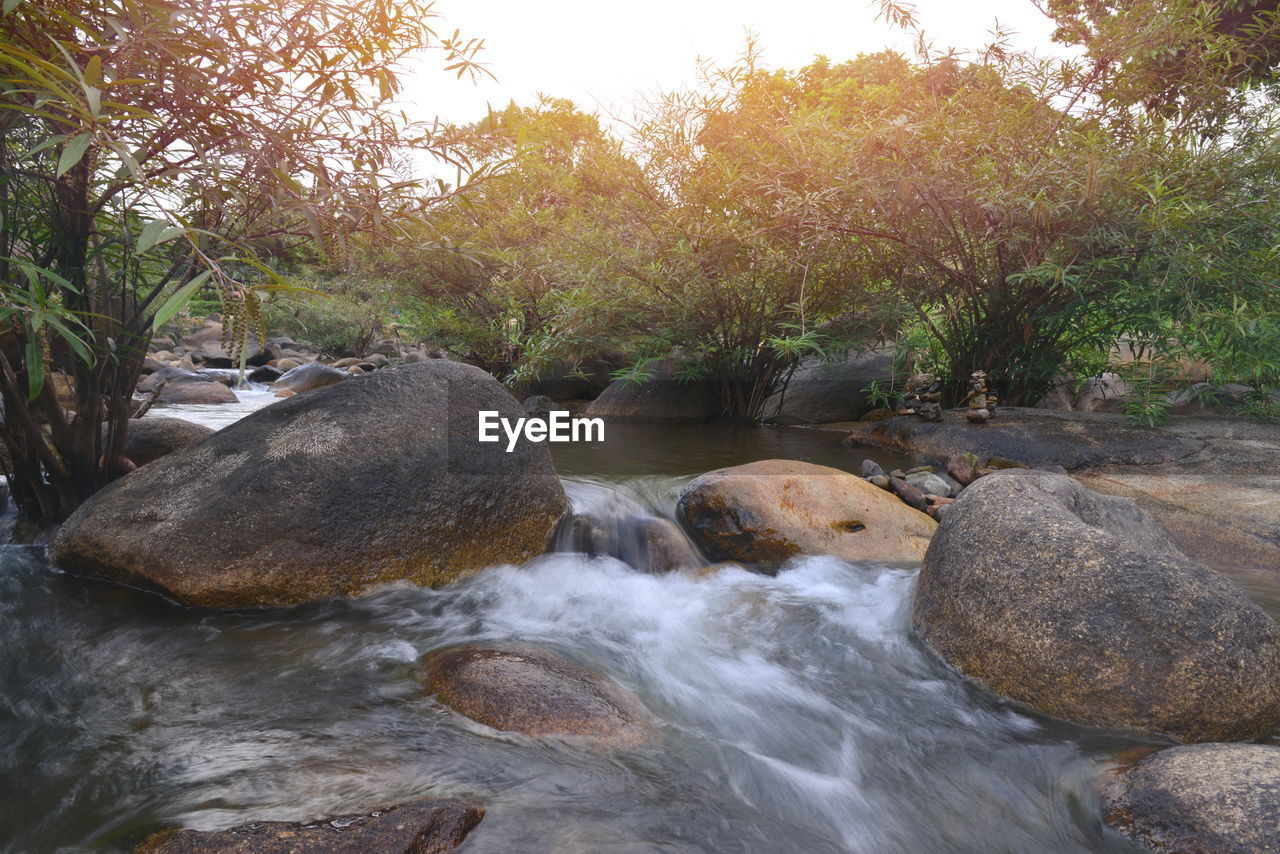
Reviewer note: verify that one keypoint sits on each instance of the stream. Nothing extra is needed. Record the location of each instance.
(796, 712)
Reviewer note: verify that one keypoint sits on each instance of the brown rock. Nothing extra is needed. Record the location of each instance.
(420, 827)
(910, 495)
(287, 365)
(536, 693)
(963, 468)
(195, 393)
(769, 511)
(1199, 799)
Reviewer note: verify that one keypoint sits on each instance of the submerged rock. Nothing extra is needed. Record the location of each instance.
(419, 827)
(150, 439)
(1078, 605)
(769, 511)
(1219, 798)
(647, 543)
(295, 502)
(536, 693)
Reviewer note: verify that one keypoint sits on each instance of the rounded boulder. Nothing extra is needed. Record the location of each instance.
(1078, 605)
(767, 512)
(324, 494)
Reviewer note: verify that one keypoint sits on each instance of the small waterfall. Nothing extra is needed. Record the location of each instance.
(626, 524)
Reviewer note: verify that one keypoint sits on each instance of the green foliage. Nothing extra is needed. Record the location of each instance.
(150, 150)
(342, 318)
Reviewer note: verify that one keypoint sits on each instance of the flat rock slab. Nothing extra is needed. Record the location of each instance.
(1219, 798)
(420, 827)
(1225, 521)
(1073, 440)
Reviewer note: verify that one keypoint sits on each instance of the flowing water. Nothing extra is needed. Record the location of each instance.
(795, 713)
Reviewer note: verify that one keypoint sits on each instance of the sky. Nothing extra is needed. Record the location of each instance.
(608, 54)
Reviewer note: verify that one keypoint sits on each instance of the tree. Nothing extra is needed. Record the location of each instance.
(1188, 60)
(151, 148)
(514, 274)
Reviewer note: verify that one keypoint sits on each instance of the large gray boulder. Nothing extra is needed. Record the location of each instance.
(825, 392)
(1219, 798)
(326, 494)
(1077, 605)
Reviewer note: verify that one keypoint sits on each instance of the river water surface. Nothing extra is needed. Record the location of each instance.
(796, 713)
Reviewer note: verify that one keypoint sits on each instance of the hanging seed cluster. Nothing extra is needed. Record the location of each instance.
(241, 319)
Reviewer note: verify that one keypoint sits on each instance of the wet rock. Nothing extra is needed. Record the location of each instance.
(871, 468)
(419, 827)
(152, 438)
(646, 543)
(825, 392)
(769, 511)
(1077, 604)
(663, 547)
(908, 492)
(189, 393)
(292, 503)
(309, 376)
(661, 400)
(1197, 799)
(535, 692)
(265, 374)
(172, 376)
(1034, 437)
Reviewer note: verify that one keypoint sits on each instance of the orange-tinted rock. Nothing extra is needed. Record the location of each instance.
(770, 511)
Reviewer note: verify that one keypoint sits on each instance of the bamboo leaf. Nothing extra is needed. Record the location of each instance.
(73, 152)
(156, 232)
(180, 298)
(35, 367)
